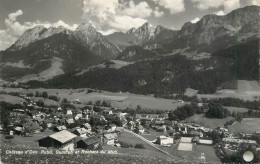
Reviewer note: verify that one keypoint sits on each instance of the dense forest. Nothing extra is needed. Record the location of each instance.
(166, 75)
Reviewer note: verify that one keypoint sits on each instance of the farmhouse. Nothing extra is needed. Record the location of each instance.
(90, 143)
(139, 129)
(163, 140)
(63, 139)
(110, 138)
(87, 126)
(110, 128)
(60, 128)
(82, 132)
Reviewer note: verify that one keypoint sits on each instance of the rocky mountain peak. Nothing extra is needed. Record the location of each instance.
(86, 27)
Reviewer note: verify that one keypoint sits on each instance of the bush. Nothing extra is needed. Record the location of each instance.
(9, 137)
(44, 94)
(139, 146)
(55, 98)
(217, 111)
(124, 145)
(40, 103)
(29, 94)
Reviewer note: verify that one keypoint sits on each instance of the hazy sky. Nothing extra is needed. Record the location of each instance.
(107, 16)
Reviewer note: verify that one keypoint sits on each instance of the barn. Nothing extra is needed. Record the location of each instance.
(63, 139)
(90, 143)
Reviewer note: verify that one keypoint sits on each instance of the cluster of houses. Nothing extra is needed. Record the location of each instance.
(87, 129)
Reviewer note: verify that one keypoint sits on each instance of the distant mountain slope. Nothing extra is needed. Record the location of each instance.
(213, 32)
(39, 55)
(87, 35)
(146, 34)
(135, 53)
(123, 40)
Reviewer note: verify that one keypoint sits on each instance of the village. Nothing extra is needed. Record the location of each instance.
(98, 126)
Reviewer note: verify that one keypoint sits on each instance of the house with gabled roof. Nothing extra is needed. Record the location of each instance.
(110, 138)
(90, 143)
(60, 128)
(87, 126)
(63, 139)
(82, 132)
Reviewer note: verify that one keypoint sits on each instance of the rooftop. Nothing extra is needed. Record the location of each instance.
(63, 136)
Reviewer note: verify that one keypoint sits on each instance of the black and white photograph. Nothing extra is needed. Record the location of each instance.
(129, 81)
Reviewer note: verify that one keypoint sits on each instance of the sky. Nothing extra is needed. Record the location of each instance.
(107, 16)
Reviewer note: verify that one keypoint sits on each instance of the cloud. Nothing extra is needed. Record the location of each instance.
(126, 22)
(206, 4)
(256, 2)
(14, 29)
(114, 15)
(175, 6)
(141, 10)
(230, 5)
(158, 13)
(195, 20)
(220, 13)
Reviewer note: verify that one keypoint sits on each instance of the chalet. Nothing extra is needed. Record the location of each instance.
(163, 140)
(39, 119)
(119, 129)
(257, 133)
(98, 117)
(99, 129)
(60, 128)
(110, 128)
(69, 112)
(82, 132)
(34, 113)
(90, 143)
(181, 128)
(78, 116)
(107, 112)
(70, 121)
(87, 126)
(63, 139)
(139, 129)
(159, 128)
(110, 138)
(130, 125)
(163, 116)
(18, 130)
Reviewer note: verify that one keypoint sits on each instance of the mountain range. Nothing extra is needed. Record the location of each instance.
(49, 54)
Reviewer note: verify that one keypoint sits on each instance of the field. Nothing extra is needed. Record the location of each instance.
(248, 125)
(236, 109)
(191, 152)
(124, 155)
(207, 122)
(11, 99)
(133, 140)
(120, 100)
(152, 134)
(247, 90)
